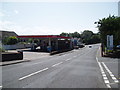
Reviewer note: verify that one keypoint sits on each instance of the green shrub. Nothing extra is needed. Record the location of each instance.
(1, 49)
(10, 40)
(23, 42)
(108, 51)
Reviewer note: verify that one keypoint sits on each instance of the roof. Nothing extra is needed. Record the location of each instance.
(7, 33)
(42, 36)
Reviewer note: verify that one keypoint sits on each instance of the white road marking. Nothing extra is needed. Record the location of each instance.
(0, 86)
(106, 81)
(108, 85)
(116, 81)
(57, 64)
(102, 72)
(104, 75)
(112, 76)
(67, 59)
(33, 74)
(97, 59)
(105, 78)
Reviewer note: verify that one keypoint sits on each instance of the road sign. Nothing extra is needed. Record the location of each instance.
(110, 42)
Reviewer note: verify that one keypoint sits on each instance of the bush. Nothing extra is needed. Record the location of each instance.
(1, 49)
(23, 43)
(109, 26)
(10, 40)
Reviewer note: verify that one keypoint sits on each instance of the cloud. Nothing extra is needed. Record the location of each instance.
(38, 30)
(5, 24)
(16, 11)
(34, 30)
(2, 14)
(60, 0)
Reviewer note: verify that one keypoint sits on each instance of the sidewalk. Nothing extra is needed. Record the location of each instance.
(27, 56)
(13, 62)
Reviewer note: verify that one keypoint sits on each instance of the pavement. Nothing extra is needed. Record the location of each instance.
(81, 68)
(27, 56)
(110, 72)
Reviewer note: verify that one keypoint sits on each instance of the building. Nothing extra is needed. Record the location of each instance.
(49, 42)
(45, 42)
(4, 34)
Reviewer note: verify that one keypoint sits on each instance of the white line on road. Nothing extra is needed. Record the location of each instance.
(97, 59)
(106, 81)
(103, 74)
(33, 74)
(112, 76)
(57, 64)
(108, 85)
(67, 59)
(105, 78)
(0, 86)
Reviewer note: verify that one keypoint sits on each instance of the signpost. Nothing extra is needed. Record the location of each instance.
(110, 42)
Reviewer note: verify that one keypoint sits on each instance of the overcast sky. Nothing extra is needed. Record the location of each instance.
(42, 18)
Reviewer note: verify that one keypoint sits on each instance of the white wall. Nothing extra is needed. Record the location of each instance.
(16, 46)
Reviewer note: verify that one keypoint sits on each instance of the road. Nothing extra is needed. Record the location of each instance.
(81, 68)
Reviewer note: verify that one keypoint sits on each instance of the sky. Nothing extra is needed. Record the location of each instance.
(53, 18)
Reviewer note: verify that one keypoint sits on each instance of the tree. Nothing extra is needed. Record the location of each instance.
(86, 36)
(75, 34)
(36, 40)
(95, 38)
(64, 34)
(1, 50)
(109, 26)
(30, 40)
(10, 40)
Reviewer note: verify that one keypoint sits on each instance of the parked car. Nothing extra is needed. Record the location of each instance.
(90, 46)
(76, 47)
(81, 46)
(118, 47)
(38, 47)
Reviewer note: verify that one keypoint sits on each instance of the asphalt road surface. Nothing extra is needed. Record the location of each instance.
(80, 68)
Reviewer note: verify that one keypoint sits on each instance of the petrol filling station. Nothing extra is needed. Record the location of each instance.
(49, 43)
